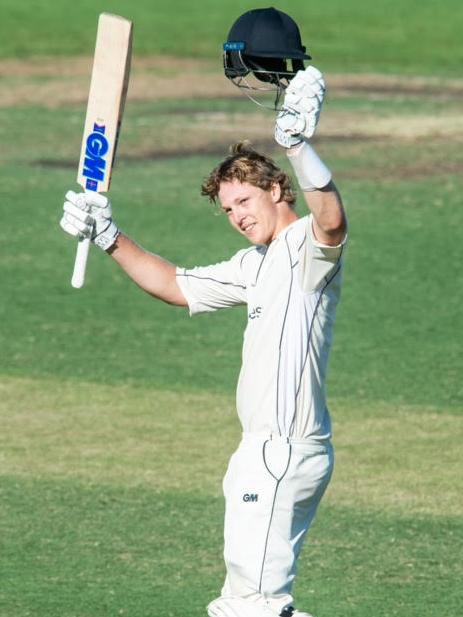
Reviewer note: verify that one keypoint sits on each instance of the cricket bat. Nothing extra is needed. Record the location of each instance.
(108, 90)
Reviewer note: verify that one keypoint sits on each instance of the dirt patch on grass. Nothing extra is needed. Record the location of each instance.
(403, 127)
(413, 170)
(53, 82)
(396, 85)
(172, 131)
(199, 133)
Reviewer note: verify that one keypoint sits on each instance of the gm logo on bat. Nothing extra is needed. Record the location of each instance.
(96, 148)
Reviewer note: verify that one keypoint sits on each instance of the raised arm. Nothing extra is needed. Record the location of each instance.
(90, 215)
(295, 125)
(320, 194)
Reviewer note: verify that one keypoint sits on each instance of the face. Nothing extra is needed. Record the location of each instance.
(256, 214)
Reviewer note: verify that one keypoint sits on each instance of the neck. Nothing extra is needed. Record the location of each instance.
(287, 217)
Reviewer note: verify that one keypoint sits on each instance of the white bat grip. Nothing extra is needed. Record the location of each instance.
(80, 263)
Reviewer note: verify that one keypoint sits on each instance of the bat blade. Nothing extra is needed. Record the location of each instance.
(106, 100)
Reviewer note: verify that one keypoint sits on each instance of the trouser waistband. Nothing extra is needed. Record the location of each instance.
(306, 441)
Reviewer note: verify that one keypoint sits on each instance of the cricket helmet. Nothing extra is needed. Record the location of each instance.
(265, 44)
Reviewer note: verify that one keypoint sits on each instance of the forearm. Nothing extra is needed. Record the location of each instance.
(320, 194)
(295, 125)
(152, 273)
(329, 218)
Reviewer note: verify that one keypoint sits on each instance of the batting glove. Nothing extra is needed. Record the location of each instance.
(301, 109)
(89, 215)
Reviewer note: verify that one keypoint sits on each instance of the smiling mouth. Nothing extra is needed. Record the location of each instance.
(248, 228)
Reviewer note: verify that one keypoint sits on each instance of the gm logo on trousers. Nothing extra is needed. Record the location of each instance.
(250, 497)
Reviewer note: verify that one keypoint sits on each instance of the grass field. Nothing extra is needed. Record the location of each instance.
(111, 404)
(415, 36)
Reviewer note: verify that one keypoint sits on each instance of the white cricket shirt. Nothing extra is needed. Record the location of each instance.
(291, 289)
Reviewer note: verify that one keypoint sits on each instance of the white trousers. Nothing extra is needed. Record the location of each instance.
(272, 490)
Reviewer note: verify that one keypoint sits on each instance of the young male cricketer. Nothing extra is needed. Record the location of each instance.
(290, 280)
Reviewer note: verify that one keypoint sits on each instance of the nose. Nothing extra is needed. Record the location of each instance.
(238, 214)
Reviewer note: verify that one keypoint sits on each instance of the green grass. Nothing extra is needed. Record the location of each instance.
(92, 550)
(111, 505)
(96, 550)
(402, 272)
(130, 435)
(384, 36)
(117, 413)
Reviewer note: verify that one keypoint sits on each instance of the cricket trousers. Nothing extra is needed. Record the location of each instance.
(272, 489)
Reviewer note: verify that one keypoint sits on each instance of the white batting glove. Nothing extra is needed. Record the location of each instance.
(89, 215)
(301, 109)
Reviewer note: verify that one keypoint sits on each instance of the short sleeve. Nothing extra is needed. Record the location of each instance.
(209, 288)
(319, 261)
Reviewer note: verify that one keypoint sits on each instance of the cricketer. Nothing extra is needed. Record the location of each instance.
(289, 281)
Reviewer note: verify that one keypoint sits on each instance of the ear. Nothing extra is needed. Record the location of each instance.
(275, 192)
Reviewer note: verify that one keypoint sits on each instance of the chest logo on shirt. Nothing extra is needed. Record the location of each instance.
(255, 313)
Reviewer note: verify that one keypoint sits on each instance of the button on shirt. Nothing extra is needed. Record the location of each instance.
(291, 288)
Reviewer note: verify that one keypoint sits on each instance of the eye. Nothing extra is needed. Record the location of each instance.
(227, 211)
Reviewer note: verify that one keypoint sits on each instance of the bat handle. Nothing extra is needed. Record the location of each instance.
(80, 263)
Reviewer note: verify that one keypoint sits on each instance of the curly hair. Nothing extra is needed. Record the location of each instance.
(246, 165)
